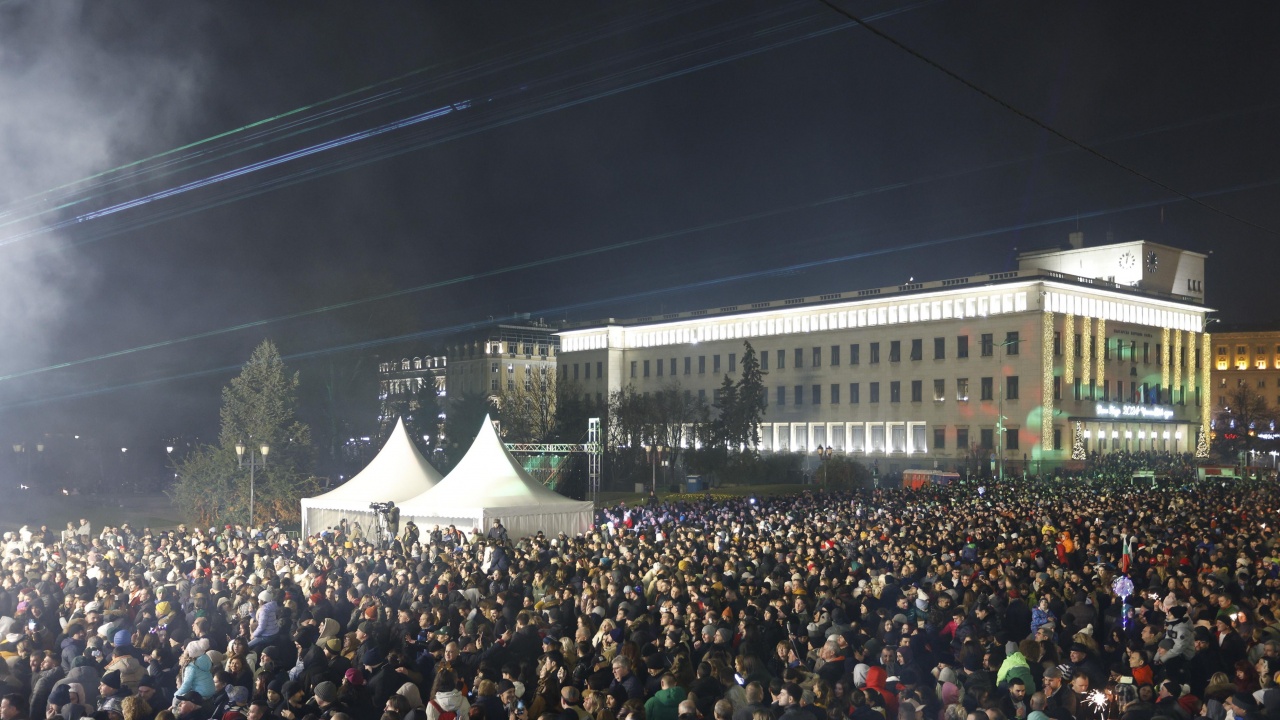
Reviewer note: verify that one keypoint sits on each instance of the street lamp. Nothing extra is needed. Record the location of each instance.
(824, 454)
(254, 464)
(654, 452)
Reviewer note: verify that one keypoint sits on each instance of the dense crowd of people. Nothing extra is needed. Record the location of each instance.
(1081, 599)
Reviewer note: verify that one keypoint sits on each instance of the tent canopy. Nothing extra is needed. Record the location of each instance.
(488, 484)
(398, 473)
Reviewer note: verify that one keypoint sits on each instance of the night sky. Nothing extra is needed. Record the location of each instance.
(572, 160)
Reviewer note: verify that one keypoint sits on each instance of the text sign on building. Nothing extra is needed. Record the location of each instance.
(1138, 412)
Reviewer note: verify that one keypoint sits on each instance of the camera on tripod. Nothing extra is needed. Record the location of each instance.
(382, 507)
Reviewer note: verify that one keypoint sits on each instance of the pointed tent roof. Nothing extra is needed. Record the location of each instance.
(398, 473)
(488, 476)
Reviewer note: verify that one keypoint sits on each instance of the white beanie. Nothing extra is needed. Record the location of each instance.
(265, 596)
(196, 648)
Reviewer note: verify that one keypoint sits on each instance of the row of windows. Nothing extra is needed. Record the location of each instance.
(916, 389)
(1123, 351)
(986, 345)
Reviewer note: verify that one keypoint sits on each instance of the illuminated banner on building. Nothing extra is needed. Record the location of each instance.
(1136, 412)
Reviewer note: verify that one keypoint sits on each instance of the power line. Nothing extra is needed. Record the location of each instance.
(1040, 123)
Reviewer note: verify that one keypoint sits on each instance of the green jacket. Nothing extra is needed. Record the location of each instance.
(665, 704)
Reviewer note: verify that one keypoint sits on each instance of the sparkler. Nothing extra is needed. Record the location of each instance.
(1098, 699)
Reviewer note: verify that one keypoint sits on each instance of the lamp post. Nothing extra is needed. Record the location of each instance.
(824, 454)
(655, 454)
(255, 462)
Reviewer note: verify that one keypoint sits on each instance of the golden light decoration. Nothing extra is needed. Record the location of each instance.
(1046, 381)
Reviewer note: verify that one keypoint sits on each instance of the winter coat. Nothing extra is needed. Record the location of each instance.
(198, 676)
(451, 701)
(665, 704)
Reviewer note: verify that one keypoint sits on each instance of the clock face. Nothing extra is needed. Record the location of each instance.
(1128, 261)
(1152, 261)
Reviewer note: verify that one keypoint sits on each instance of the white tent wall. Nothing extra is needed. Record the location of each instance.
(520, 522)
(321, 518)
(487, 483)
(396, 474)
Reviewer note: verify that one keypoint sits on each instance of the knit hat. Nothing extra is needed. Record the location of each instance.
(265, 596)
(354, 676)
(122, 639)
(238, 694)
(326, 692)
(196, 648)
(112, 679)
(372, 656)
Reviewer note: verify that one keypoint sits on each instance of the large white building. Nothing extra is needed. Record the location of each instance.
(1101, 344)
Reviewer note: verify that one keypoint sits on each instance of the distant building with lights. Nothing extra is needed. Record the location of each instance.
(1084, 349)
(1246, 357)
(485, 361)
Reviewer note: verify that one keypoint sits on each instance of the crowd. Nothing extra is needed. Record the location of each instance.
(1085, 599)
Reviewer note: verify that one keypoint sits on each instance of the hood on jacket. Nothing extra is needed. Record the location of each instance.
(451, 701)
(671, 695)
(876, 677)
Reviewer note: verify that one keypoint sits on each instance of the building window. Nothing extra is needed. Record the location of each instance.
(1076, 390)
(715, 364)
(962, 389)
(875, 392)
(987, 441)
(493, 368)
(673, 368)
(493, 385)
(702, 395)
(817, 357)
(715, 396)
(688, 366)
(764, 359)
(1011, 387)
(988, 345)
(835, 355)
(659, 363)
(646, 368)
(855, 356)
(1011, 343)
(1080, 348)
(633, 368)
(835, 393)
(988, 389)
(782, 359)
(854, 396)
(962, 438)
(895, 391)
(1057, 438)
(917, 349)
(799, 395)
(939, 390)
(702, 364)
(962, 346)
(1057, 387)
(939, 348)
(817, 395)
(939, 438)
(895, 351)
(782, 395)
(1057, 343)
(875, 353)
(733, 362)
(917, 391)
(1011, 438)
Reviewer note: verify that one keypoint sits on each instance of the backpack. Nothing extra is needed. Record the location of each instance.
(444, 714)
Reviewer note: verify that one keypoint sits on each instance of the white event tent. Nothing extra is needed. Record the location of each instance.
(488, 484)
(398, 473)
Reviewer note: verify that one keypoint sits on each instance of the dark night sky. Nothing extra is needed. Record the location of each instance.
(575, 126)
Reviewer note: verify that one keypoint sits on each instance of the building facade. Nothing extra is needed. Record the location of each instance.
(1084, 349)
(499, 358)
(1245, 358)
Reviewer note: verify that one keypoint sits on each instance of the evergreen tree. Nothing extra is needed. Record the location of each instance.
(750, 397)
(729, 430)
(258, 408)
